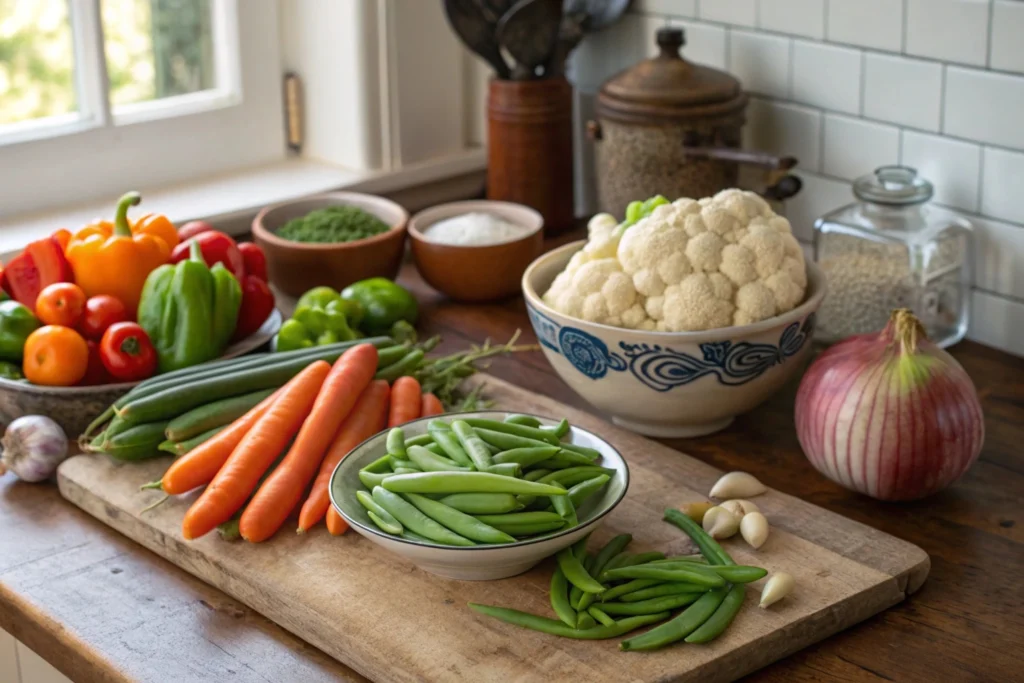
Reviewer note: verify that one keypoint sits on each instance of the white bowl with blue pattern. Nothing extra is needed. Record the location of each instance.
(670, 384)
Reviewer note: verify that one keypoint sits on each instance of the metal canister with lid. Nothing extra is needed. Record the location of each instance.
(892, 249)
(668, 126)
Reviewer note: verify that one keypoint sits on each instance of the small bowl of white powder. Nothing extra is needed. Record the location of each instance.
(476, 250)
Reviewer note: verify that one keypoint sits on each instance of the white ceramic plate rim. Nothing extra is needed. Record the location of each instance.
(497, 546)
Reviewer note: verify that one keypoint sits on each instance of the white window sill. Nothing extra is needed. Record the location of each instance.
(231, 200)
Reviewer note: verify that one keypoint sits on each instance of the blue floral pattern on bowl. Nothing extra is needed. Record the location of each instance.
(662, 368)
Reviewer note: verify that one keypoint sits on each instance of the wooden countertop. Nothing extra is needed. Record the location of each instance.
(101, 608)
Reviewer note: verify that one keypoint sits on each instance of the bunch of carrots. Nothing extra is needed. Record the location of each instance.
(323, 412)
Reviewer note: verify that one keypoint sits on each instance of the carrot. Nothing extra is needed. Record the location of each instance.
(336, 524)
(366, 419)
(283, 490)
(200, 465)
(431, 406)
(405, 401)
(238, 478)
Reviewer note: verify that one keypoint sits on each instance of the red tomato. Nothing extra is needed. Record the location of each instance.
(101, 312)
(61, 303)
(193, 228)
(95, 372)
(255, 260)
(127, 353)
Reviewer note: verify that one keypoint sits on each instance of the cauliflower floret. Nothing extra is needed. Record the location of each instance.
(689, 265)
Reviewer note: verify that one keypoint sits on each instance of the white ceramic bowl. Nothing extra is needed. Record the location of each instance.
(670, 384)
(484, 562)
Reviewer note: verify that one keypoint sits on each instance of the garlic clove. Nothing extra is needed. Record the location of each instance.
(720, 523)
(737, 485)
(740, 507)
(696, 511)
(754, 529)
(778, 586)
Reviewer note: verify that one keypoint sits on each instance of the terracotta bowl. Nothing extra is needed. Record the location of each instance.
(476, 273)
(295, 267)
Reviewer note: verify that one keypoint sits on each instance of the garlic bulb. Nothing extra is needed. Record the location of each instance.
(740, 507)
(737, 485)
(720, 523)
(696, 511)
(778, 586)
(754, 529)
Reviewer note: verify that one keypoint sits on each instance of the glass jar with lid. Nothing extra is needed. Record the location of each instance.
(892, 249)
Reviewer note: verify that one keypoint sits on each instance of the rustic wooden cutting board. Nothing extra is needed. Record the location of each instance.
(392, 622)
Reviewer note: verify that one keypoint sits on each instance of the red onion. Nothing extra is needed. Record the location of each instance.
(890, 415)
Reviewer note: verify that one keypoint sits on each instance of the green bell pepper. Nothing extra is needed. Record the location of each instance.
(321, 317)
(318, 297)
(384, 303)
(293, 335)
(16, 323)
(189, 310)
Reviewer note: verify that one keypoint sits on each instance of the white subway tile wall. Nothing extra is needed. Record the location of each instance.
(847, 85)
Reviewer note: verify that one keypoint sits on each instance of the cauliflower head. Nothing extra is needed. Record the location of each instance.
(690, 265)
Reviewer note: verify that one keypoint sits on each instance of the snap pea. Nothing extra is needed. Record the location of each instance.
(564, 459)
(398, 462)
(506, 441)
(493, 450)
(559, 430)
(467, 482)
(574, 475)
(535, 475)
(428, 462)
(662, 589)
(526, 420)
(459, 522)
(731, 573)
(591, 453)
(381, 464)
(513, 428)
(575, 573)
(472, 444)
(420, 440)
(583, 490)
(720, 620)
(600, 616)
(525, 456)
(437, 450)
(701, 578)
(565, 509)
(381, 517)
(449, 443)
(627, 588)
(396, 442)
(612, 548)
(626, 560)
(560, 598)
(410, 517)
(685, 623)
(557, 628)
(521, 530)
(407, 365)
(505, 469)
(482, 503)
(521, 518)
(584, 621)
(407, 470)
(652, 606)
(413, 536)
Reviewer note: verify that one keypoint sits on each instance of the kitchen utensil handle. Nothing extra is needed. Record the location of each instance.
(741, 156)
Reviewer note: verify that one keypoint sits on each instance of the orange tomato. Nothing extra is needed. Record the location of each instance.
(56, 356)
(61, 303)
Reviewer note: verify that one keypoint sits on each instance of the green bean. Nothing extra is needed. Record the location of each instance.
(527, 420)
(652, 606)
(591, 453)
(575, 573)
(459, 522)
(624, 560)
(557, 628)
(707, 545)
(526, 456)
(472, 444)
(381, 517)
(371, 479)
(421, 440)
(576, 593)
(381, 464)
(521, 518)
(564, 459)
(413, 536)
(411, 518)
(407, 470)
(584, 621)
(627, 588)
(560, 429)
(701, 578)
(685, 623)
(600, 615)
(612, 548)
(531, 476)
(467, 482)
(505, 469)
(662, 589)
(449, 443)
(560, 598)
(482, 503)
(731, 573)
(583, 490)
(520, 530)
(720, 620)
(396, 442)
(671, 559)
(513, 428)
(574, 475)
(565, 510)
(428, 462)
(506, 441)
(493, 450)
(406, 366)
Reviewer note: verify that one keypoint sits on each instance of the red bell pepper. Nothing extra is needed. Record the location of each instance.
(257, 305)
(193, 228)
(42, 263)
(255, 260)
(217, 248)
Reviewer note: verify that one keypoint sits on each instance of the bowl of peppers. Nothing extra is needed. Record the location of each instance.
(85, 316)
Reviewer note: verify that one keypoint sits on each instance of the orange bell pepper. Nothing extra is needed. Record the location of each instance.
(115, 258)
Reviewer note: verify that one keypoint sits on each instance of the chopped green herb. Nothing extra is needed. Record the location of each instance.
(332, 225)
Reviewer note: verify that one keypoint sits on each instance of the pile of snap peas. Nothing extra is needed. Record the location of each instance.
(612, 592)
(479, 481)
